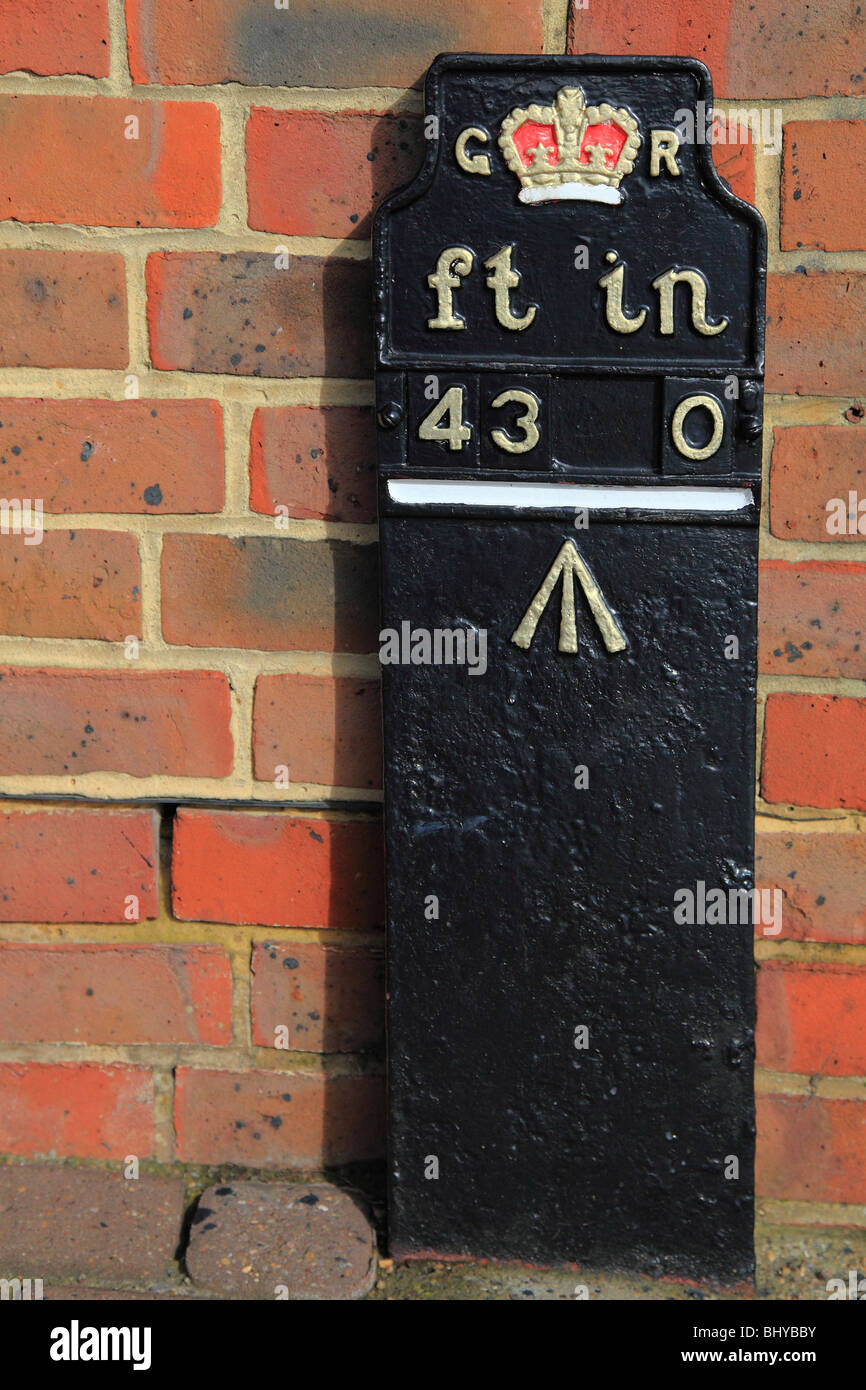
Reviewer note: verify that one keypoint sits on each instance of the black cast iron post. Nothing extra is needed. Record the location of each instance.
(569, 392)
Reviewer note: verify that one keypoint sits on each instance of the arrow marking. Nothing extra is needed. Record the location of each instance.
(568, 563)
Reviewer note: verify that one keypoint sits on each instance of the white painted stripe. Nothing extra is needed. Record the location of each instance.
(419, 492)
(564, 192)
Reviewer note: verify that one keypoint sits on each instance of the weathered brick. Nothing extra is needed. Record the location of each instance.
(242, 315)
(811, 466)
(814, 751)
(115, 994)
(77, 864)
(823, 878)
(325, 730)
(735, 161)
(810, 1149)
(752, 47)
(812, 1018)
(277, 1119)
(809, 619)
(59, 1222)
(269, 592)
(367, 43)
(824, 185)
(816, 333)
(248, 1239)
(318, 461)
(63, 309)
(113, 456)
(72, 584)
(277, 870)
(310, 173)
(79, 159)
(46, 38)
(145, 722)
(75, 1110)
(330, 998)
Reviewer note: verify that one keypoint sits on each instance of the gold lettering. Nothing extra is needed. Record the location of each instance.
(455, 433)
(613, 284)
(502, 280)
(453, 263)
(666, 284)
(692, 403)
(524, 422)
(568, 563)
(663, 149)
(477, 163)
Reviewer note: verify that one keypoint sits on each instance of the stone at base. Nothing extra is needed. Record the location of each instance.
(280, 1240)
(60, 1223)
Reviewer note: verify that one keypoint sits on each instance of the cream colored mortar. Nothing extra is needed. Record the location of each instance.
(555, 25)
(811, 1213)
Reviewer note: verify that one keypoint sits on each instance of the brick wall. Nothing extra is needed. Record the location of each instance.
(186, 194)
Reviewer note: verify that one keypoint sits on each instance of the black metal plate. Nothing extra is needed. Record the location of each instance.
(556, 902)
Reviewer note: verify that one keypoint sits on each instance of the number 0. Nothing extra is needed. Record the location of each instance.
(525, 422)
(455, 433)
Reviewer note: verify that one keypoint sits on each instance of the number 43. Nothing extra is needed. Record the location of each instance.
(455, 433)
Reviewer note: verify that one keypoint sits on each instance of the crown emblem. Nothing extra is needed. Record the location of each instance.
(569, 149)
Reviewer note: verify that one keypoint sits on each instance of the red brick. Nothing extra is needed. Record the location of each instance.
(752, 47)
(95, 1223)
(815, 751)
(823, 878)
(310, 173)
(369, 43)
(239, 314)
(113, 456)
(812, 465)
(46, 38)
(326, 730)
(77, 864)
(63, 309)
(269, 592)
(68, 159)
(75, 1110)
(736, 164)
(816, 333)
(809, 617)
(812, 1019)
(115, 994)
(143, 723)
(824, 185)
(811, 1149)
(312, 1242)
(72, 584)
(277, 870)
(318, 461)
(273, 1119)
(330, 998)
(648, 27)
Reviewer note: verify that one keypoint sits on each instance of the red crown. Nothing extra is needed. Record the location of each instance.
(569, 149)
